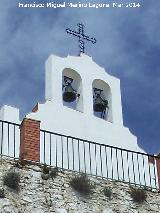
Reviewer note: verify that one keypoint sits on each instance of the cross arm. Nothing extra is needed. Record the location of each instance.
(93, 40)
(72, 32)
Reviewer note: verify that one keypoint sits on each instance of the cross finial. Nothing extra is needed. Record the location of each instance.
(81, 36)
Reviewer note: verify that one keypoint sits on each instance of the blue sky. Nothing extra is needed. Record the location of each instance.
(128, 47)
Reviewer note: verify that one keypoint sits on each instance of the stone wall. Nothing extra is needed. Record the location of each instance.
(37, 195)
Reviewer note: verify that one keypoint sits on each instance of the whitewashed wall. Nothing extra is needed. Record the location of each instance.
(9, 132)
(56, 117)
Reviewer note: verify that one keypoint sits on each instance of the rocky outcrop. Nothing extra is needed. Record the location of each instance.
(37, 195)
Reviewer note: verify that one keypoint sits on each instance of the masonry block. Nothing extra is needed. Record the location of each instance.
(30, 140)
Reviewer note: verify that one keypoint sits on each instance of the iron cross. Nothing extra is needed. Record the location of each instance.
(81, 36)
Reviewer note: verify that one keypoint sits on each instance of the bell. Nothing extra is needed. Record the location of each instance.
(69, 94)
(99, 105)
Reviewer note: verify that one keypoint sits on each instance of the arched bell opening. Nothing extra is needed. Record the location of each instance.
(72, 89)
(102, 102)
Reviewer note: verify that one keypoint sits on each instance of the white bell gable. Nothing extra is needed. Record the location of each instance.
(81, 122)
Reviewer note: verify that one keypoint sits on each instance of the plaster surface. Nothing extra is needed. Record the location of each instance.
(56, 117)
